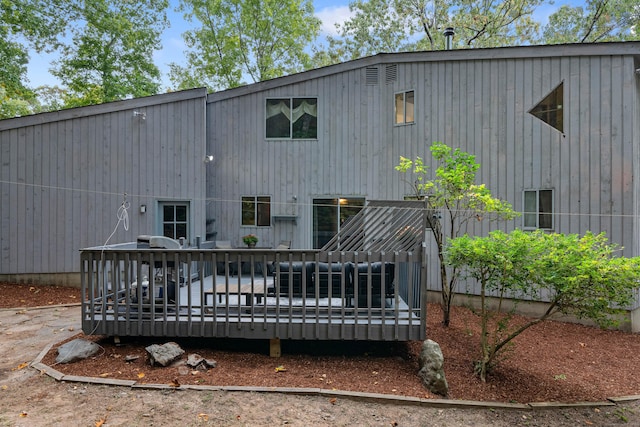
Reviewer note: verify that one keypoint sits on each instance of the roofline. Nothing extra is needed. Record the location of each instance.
(108, 107)
(518, 52)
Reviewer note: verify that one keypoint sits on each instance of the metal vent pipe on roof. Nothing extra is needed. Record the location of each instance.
(448, 38)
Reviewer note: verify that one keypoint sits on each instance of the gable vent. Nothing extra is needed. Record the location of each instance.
(391, 73)
(372, 75)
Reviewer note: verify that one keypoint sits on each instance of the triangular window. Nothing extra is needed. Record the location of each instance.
(551, 109)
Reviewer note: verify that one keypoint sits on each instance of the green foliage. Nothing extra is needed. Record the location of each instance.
(455, 199)
(597, 21)
(262, 39)
(111, 53)
(24, 24)
(12, 107)
(48, 98)
(399, 25)
(579, 276)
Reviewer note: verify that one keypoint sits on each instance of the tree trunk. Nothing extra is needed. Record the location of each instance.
(446, 294)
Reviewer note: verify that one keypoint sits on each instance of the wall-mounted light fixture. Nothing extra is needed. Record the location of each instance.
(141, 115)
(208, 158)
(143, 209)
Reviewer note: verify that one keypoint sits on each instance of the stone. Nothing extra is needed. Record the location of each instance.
(431, 362)
(210, 363)
(164, 354)
(75, 350)
(193, 360)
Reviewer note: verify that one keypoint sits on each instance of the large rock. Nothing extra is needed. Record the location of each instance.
(77, 349)
(164, 354)
(432, 368)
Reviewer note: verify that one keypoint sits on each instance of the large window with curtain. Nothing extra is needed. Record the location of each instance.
(292, 118)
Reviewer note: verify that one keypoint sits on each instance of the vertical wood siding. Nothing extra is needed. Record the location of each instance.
(480, 106)
(63, 181)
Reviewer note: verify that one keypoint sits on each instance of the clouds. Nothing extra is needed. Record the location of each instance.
(332, 15)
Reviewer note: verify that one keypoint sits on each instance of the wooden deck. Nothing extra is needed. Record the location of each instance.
(298, 295)
(367, 283)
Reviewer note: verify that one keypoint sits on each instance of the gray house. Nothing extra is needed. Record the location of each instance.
(65, 175)
(556, 130)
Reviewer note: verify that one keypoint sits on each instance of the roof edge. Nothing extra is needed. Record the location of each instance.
(108, 107)
(509, 52)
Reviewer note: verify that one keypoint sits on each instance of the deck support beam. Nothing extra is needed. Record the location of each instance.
(274, 347)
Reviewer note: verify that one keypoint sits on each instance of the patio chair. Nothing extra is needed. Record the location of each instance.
(284, 244)
(222, 244)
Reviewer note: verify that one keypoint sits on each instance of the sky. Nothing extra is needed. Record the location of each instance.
(329, 12)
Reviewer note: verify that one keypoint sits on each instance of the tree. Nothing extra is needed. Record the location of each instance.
(111, 54)
(24, 24)
(238, 39)
(411, 25)
(388, 26)
(597, 21)
(578, 275)
(48, 98)
(454, 199)
(494, 23)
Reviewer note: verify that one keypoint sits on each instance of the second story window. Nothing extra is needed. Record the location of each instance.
(256, 211)
(292, 118)
(404, 107)
(550, 110)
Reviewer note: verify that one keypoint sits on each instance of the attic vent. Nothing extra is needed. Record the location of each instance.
(372, 75)
(391, 73)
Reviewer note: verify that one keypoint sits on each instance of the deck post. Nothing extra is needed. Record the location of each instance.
(274, 347)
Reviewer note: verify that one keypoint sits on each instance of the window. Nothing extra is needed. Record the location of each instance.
(256, 211)
(330, 214)
(404, 107)
(550, 109)
(538, 209)
(292, 118)
(175, 220)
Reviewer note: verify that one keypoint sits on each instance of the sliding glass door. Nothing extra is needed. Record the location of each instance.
(330, 214)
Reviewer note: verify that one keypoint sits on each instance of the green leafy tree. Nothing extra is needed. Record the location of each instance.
(111, 53)
(238, 39)
(494, 23)
(411, 25)
(12, 106)
(388, 26)
(24, 24)
(578, 276)
(48, 98)
(454, 199)
(597, 21)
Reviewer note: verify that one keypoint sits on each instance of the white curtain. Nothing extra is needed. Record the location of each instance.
(299, 111)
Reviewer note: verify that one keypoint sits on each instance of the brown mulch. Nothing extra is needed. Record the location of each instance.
(552, 361)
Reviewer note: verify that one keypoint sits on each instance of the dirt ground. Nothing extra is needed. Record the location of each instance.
(575, 370)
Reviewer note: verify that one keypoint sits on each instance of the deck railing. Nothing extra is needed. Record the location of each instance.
(253, 293)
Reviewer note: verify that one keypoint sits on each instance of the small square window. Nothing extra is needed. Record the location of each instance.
(256, 211)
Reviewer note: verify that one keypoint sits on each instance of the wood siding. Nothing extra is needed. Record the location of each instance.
(478, 105)
(64, 175)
